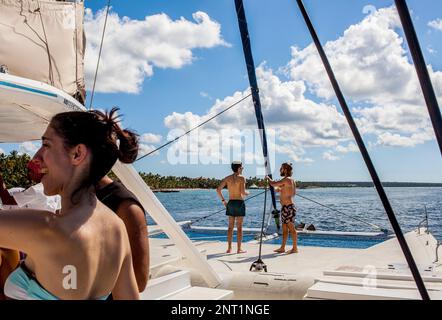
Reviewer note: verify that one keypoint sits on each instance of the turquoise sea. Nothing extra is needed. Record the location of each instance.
(408, 203)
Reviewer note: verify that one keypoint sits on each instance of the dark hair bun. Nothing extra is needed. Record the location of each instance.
(128, 146)
(125, 140)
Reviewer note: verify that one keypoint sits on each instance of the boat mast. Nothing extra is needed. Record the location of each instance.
(421, 68)
(377, 182)
(242, 21)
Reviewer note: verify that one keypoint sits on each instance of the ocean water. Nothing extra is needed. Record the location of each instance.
(408, 204)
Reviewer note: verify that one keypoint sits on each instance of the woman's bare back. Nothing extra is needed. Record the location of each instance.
(82, 261)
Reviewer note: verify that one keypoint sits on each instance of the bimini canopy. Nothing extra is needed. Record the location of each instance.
(27, 106)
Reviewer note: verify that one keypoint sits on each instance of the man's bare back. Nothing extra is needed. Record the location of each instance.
(235, 207)
(236, 186)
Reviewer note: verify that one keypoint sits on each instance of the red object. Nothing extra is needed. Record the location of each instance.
(34, 171)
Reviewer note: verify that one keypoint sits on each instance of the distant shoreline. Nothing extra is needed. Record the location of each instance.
(321, 185)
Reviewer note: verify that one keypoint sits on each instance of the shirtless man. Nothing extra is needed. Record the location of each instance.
(235, 208)
(287, 188)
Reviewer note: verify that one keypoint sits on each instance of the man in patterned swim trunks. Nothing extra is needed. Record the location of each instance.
(287, 187)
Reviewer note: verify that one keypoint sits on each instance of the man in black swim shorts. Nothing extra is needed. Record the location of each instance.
(235, 208)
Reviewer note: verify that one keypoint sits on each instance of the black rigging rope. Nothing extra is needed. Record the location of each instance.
(304, 197)
(421, 69)
(370, 166)
(99, 54)
(194, 128)
(345, 214)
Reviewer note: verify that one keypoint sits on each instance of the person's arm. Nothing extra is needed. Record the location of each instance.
(244, 192)
(25, 229)
(5, 196)
(219, 191)
(126, 286)
(136, 226)
(275, 184)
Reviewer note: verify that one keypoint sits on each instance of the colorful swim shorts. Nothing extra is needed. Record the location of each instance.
(288, 213)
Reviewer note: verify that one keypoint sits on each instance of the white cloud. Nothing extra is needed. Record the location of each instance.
(297, 122)
(431, 50)
(29, 148)
(132, 48)
(2, 151)
(397, 140)
(376, 76)
(145, 149)
(369, 61)
(151, 138)
(436, 24)
(329, 156)
(351, 147)
(205, 95)
(147, 144)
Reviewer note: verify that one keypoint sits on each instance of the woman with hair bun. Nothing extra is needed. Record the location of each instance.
(83, 252)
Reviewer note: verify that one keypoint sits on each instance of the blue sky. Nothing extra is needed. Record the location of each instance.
(198, 69)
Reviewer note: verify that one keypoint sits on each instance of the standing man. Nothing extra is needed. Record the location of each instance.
(287, 187)
(235, 208)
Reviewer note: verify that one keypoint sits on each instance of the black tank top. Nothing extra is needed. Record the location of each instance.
(114, 194)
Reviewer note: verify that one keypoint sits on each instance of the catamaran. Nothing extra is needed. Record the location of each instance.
(398, 267)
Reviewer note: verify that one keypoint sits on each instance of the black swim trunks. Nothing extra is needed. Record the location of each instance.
(288, 213)
(236, 208)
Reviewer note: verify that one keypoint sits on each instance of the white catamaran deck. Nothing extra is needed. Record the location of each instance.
(379, 272)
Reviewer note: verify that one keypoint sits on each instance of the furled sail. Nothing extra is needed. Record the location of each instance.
(44, 41)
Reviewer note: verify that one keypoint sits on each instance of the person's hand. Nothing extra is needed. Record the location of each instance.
(224, 202)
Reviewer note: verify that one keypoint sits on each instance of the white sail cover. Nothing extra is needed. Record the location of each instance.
(44, 41)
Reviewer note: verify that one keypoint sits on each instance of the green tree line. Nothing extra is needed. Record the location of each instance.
(14, 171)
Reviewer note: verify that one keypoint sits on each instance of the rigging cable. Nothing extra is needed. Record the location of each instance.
(194, 128)
(259, 265)
(345, 214)
(99, 54)
(306, 198)
(250, 64)
(373, 173)
(421, 69)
